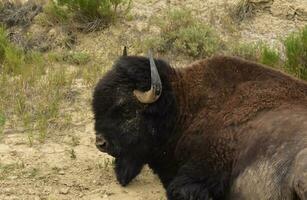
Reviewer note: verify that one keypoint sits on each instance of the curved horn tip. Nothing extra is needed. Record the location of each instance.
(147, 97)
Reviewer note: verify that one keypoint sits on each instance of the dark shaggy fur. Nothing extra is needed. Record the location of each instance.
(223, 128)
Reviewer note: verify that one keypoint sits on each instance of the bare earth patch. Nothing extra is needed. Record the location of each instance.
(67, 165)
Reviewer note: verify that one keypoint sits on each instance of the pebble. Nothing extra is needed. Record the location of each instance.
(37, 198)
(13, 177)
(61, 172)
(64, 190)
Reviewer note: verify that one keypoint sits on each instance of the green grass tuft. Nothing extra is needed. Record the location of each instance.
(270, 56)
(296, 53)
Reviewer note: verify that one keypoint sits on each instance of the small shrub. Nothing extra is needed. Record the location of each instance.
(180, 32)
(296, 53)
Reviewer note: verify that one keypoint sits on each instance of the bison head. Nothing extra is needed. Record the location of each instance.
(133, 116)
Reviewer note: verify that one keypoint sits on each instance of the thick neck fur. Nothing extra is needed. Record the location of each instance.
(215, 94)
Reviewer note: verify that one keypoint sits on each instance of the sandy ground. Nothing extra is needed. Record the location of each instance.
(67, 165)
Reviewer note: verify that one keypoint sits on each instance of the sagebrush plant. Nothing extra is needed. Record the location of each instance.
(296, 53)
(93, 14)
(181, 32)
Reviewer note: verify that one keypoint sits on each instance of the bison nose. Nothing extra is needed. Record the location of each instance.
(101, 143)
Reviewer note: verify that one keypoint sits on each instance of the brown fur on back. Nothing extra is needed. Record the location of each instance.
(218, 96)
(234, 90)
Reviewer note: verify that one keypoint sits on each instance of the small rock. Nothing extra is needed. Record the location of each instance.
(301, 13)
(13, 177)
(64, 190)
(52, 32)
(61, 172)
(37, 198)
(105, 197)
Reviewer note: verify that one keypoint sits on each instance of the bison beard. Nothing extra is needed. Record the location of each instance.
(221, 128)
(126, 169)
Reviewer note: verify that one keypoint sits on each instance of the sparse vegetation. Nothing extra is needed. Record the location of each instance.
(181, 32)
(38, 90)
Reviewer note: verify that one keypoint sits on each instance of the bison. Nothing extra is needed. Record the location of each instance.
(220, 128)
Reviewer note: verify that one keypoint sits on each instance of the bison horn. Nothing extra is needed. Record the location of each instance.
(153, 94)
(125, 51)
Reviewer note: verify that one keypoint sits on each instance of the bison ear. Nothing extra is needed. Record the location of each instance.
(125, 51)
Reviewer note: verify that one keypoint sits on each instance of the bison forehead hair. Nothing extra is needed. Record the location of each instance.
(131, 129)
